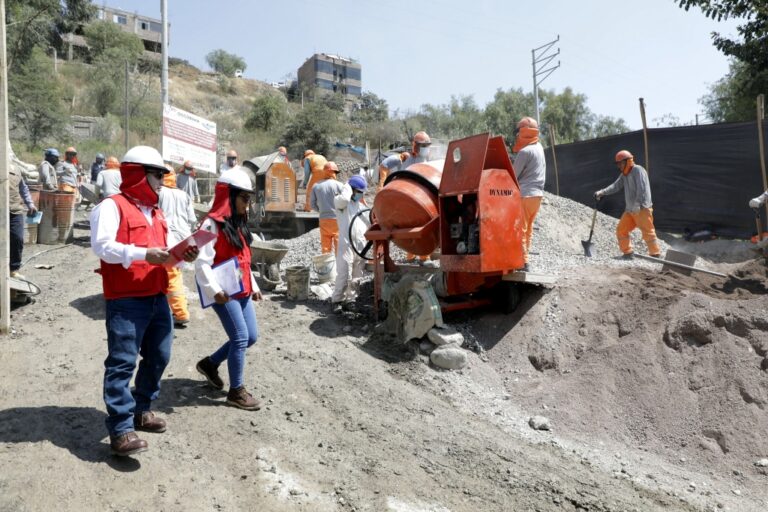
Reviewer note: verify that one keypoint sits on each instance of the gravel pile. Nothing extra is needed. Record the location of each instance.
(559, 228)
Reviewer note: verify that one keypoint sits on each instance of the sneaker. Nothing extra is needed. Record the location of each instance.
(628, 256)
(210, 371)
(148, 422)
(241, 398)
(655, 255)
(127, 444)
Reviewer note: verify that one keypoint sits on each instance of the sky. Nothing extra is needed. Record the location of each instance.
(412, 53)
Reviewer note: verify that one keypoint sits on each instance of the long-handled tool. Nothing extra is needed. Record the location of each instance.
(587, 244)
(758, 223)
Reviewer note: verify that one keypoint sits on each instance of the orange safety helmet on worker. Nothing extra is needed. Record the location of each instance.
(638, 207)
(316, 165)
(112, 163)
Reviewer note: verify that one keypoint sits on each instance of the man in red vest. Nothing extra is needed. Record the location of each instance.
(128, 234)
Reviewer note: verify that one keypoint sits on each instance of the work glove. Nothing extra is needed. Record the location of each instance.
(598, 195)
(755, 203)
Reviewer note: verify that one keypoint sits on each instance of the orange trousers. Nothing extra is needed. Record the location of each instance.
(642, 220)
(176, 297)
(531, 207)
(329, 236)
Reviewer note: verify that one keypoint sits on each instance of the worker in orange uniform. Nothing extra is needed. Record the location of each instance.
(314, 164)
(638, 208)
(390, 165)
(530, 168)
(321, 200)
(419, 153)
(180, 218)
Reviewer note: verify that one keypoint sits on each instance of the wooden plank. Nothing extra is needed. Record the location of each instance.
(530, 278)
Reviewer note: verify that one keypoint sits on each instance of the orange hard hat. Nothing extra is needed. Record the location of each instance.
(527, 122)
(308, 152)
(623, 155)
(331, 166)
(422, 139)
(169, 179)
(112, 163)
(404, 156)
(231, 153)
(70, 149)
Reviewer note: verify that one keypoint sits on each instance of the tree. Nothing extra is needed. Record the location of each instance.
(267, 112)
(603, 126)
(224, 62)
(369, 109)
(569, 112)
(39, 23)
(732, 98)
(34, 100)
(109, 44)
(506, 109)
(752, 48)
(312, 128)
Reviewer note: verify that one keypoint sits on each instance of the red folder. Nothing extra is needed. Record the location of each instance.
(197, 239)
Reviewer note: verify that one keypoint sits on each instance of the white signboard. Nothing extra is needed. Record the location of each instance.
(189, 137)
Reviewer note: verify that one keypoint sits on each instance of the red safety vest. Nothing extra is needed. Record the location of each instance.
(225, 250)
(140, 279)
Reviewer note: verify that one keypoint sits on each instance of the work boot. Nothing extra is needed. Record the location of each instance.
(127, 444)
(628, 256)
(240, 397)
(210, 371)
(148, 422)
(180, 323)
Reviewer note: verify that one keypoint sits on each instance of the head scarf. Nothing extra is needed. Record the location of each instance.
(525, 137)
(135, 185)
(223, 211)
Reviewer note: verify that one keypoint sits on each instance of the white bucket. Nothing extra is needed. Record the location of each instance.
(297, 281)
(325, 267)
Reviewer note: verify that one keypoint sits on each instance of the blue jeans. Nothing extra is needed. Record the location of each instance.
(16, 231)
(135, 326)
(239, 320)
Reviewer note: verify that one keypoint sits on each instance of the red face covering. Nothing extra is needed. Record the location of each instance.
(222, 206)
(135, 185)
(525, 137)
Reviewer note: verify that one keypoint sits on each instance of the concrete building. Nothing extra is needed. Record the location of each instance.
(149, 30)
(332, 73)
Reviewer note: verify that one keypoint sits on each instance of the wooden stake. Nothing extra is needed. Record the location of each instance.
(761, 138)
(554, 157)
(5, 254)
(645, 135)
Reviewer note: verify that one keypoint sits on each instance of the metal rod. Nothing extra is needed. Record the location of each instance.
(127, 107)
(164, 71)
(554, 157)
(679, 265)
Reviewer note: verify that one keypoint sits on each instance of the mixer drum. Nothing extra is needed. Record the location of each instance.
(409, 200)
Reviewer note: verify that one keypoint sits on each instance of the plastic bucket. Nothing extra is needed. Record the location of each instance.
(297, 280)
(30, 233)
(325, 267)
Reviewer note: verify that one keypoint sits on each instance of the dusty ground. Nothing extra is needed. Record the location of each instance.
(652, 382)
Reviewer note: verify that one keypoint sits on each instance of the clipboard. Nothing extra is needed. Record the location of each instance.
(197, 239)
(229, 276)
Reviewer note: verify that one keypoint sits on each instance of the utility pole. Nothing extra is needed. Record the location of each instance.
(541, 59)
(164, 73)
(5, 254)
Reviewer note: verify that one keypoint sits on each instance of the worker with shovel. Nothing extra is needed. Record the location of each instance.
(638, 208)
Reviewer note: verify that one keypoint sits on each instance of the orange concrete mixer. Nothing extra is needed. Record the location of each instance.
(471, 210)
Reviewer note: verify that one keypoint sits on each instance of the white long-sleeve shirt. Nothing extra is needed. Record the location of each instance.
(105, 221)
(179, 214)
(204, 275)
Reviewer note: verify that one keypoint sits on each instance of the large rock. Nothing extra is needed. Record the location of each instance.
(449, 357)
(445, 336)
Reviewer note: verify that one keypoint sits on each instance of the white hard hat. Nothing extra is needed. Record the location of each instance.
(238, 178)
(146, 156)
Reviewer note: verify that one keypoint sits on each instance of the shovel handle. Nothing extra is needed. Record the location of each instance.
(759, 227)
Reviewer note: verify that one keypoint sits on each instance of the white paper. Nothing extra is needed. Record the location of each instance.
(230, 278)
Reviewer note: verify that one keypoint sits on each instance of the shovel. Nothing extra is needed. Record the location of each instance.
(759, 227)
(587, 244)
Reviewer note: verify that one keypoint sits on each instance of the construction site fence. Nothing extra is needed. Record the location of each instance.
(702, 177)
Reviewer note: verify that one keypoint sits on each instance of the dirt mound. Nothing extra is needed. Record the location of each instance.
(666, 363)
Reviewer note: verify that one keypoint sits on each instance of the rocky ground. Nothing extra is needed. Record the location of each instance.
(653, 385)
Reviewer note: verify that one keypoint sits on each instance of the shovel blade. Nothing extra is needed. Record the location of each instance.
(587, 248)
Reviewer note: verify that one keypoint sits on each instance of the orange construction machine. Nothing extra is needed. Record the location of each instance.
(470, 209)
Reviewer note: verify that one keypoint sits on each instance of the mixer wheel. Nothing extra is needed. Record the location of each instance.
(507, 296)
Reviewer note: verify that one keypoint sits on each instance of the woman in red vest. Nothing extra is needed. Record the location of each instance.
(227, 218)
